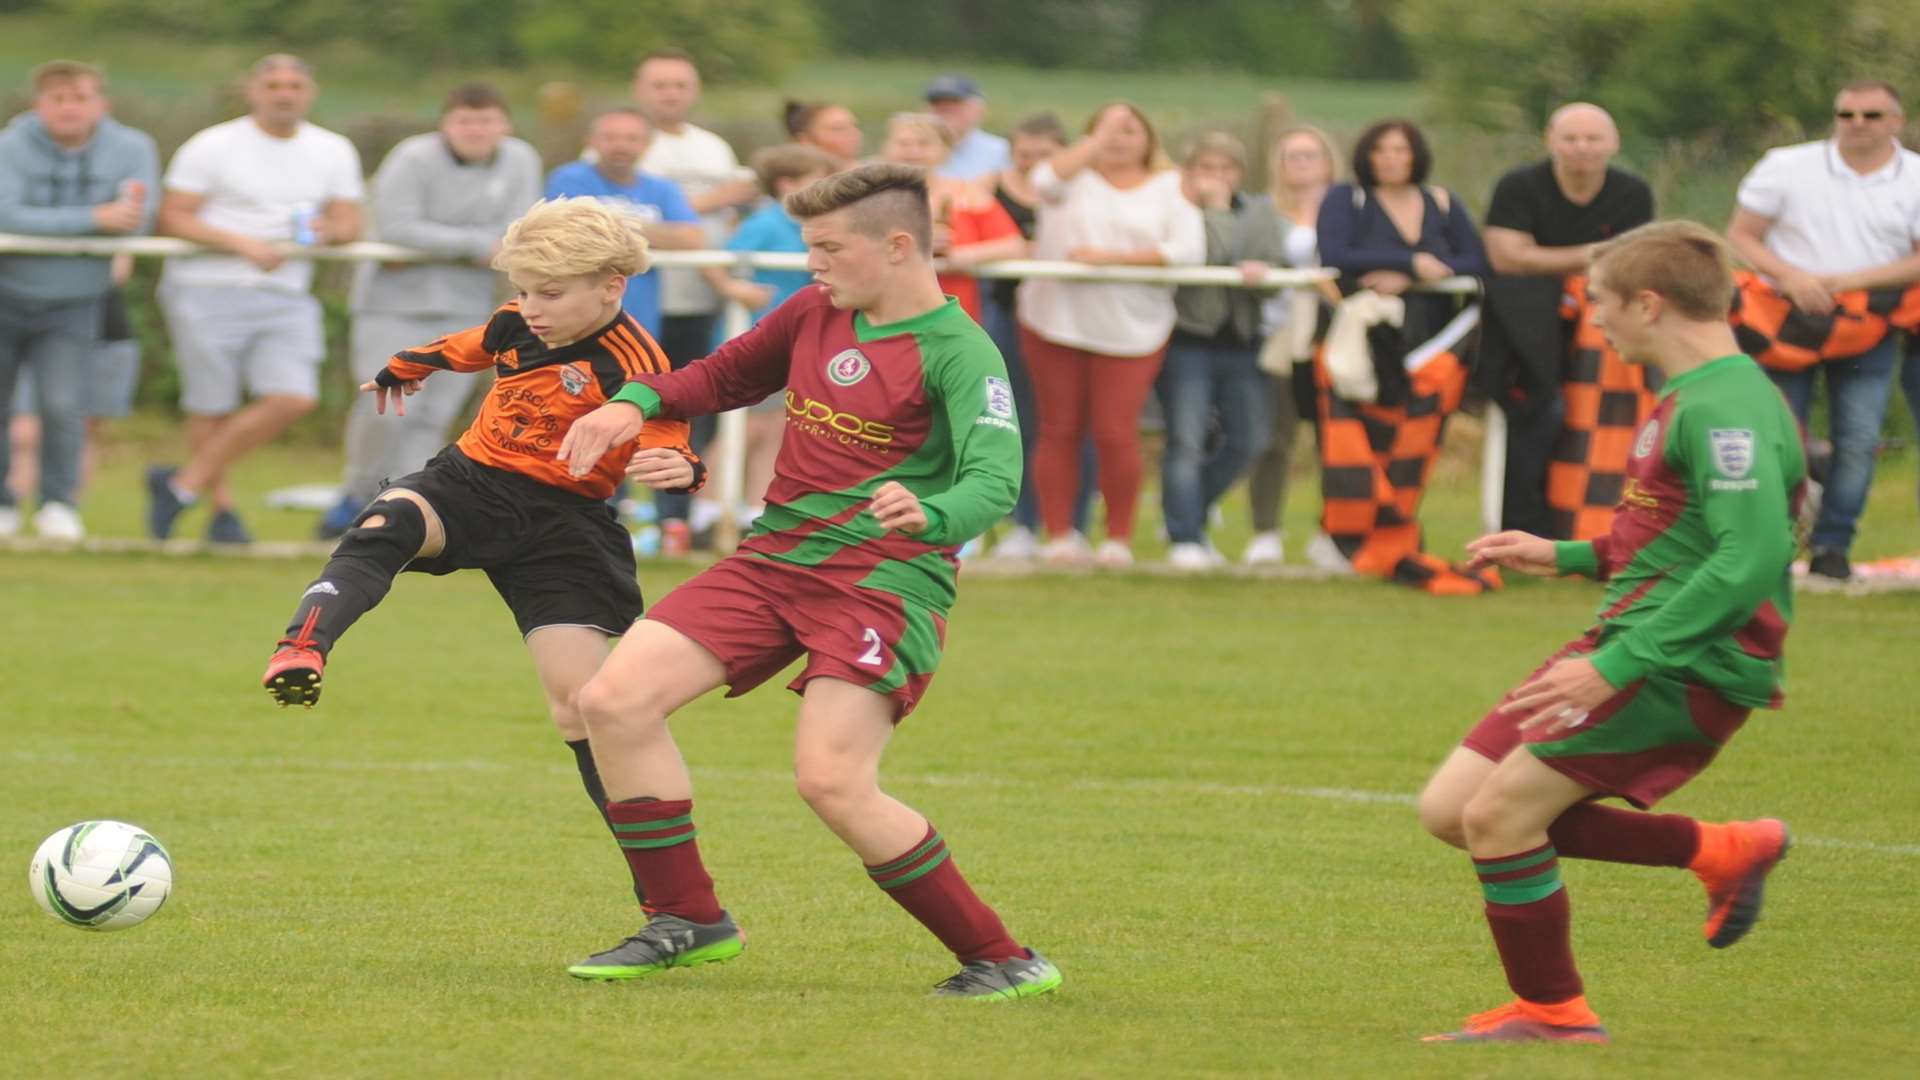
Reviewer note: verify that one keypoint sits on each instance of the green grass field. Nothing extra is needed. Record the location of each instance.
(1193, 794)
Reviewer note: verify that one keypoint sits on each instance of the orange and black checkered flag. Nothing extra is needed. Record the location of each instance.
(1783, 338)
(1374, 464)
(1607, 400)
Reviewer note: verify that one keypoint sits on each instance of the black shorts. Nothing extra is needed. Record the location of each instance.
(556, 558)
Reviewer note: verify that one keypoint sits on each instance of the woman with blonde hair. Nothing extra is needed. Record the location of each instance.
(970, 227)
(1094, 348)
(1302, 164)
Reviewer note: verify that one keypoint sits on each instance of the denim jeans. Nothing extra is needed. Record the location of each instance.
(1000, 324)
(1857, 392)
(53, 340)
(1201, 379)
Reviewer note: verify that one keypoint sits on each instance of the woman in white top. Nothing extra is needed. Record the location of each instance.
(1302, 165)
(1094, 348)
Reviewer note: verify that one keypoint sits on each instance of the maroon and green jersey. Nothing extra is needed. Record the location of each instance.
(924, 401)
(1699, 560)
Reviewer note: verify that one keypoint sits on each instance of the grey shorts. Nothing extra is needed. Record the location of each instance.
(113, 371)
(232, 342)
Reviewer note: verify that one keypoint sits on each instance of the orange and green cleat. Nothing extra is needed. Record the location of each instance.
(1528, 1021)
(1733, 863)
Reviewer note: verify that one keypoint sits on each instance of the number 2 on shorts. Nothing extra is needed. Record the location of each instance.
(873, 654)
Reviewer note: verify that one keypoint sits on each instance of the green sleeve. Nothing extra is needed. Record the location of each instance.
(1750, 528)
(969, 386)
(640, 396)
(1576, 557)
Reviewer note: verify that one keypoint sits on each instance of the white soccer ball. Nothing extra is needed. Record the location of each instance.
(101, 875)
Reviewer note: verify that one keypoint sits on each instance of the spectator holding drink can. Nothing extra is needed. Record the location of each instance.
(247, 324)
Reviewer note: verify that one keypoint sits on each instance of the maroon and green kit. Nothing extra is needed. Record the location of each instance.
(924, 402)
(1699, 588)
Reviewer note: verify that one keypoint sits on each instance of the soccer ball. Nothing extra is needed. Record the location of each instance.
(101, 875)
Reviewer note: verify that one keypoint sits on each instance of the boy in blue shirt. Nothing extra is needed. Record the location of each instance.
(782, 170)
(617, 140)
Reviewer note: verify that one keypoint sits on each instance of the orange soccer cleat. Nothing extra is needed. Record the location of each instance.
(293, 675)
(1528, 1021)
(1733, 863)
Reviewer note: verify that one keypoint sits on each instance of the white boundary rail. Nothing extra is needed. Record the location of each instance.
(729, 451)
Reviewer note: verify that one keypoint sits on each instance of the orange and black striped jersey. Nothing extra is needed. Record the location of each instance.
(539, 391)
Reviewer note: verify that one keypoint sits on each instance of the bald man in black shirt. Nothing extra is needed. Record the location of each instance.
(1543, 221)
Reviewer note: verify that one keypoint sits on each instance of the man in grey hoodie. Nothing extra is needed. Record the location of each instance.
(452, 192)
(66, 169)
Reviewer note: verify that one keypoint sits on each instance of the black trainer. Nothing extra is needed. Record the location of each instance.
(984, 980)
(667, 941)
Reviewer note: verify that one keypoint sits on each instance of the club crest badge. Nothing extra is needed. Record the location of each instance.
(572, 379)
(1732, 451)
(1649, 438)
(999, 397)
(848, 366)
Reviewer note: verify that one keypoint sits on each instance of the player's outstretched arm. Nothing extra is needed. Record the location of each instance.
(1514, 550)
(589, 438)
(396, 393)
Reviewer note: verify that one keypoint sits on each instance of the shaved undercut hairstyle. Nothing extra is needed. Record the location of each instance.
(1683, 262)
(883, 198)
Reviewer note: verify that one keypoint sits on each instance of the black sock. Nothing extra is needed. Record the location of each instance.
(359, 574)
(590, 779)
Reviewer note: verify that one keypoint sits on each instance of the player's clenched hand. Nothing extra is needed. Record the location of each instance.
(1561, 697)
(660, 469)
(1514, 550)
(591, 436)
(897, 508)
(396, 394)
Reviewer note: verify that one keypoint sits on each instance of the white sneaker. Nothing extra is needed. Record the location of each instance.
(1068, 550)
(1264, 548)
(1190, 557)
(9, 522)
(1019, 543)
(57, 521)
(1325, 554)
(1113, 555)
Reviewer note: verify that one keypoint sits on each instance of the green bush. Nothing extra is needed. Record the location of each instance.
(733, 38)
(1732, 73)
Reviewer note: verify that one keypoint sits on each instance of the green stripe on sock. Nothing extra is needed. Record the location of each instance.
(907, 879)
(1520, 863)
(1523, 891)
(652, 826)
(658, 842)
(907, 859)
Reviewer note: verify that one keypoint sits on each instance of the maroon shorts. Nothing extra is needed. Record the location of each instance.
(1641, 744)
(757, 616)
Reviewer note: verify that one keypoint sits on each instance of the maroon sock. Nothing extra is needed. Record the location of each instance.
(1614, 834)
(657, 839)
(1532, 924)
(927, 883)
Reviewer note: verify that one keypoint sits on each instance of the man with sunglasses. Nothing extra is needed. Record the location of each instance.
(1827, 218)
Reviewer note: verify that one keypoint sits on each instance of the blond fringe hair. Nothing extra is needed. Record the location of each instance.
(568, 238)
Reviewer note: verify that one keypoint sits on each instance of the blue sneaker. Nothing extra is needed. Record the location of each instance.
(339, 518)
(227, 528)
(163, 506)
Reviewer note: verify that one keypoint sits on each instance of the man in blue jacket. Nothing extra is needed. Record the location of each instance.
(66, 169)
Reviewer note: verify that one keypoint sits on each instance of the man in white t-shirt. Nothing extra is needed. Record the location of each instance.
(1829, 217)
(666, 87)
(247, 324)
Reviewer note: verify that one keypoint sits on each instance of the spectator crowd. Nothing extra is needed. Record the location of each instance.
(1372, 361)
